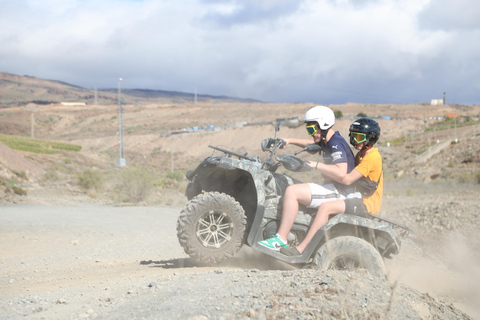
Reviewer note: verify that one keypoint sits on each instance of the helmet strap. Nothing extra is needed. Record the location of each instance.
(324, 133)
(323, 137)
(322, 144)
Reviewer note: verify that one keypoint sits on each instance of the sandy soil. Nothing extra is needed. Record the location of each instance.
(94, 261)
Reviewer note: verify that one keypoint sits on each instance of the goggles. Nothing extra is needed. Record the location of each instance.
(312, 129)
(358, 137)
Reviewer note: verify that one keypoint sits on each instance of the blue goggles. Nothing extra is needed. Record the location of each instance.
(312, 129)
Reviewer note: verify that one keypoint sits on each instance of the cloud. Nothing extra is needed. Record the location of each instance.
(325, 51)
(235, 12)
(451, 15)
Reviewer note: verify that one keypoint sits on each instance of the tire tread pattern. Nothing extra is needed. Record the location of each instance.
(365, 252)
(193, 210)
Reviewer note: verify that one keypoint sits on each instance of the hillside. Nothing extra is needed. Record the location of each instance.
(18, 90)
(155, 137)
(412, 157)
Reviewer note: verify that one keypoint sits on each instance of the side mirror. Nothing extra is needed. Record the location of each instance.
(267, 144)
(292, 163)
(313, 148)
(277, 126)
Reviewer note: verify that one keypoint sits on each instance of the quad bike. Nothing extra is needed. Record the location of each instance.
(235, 200)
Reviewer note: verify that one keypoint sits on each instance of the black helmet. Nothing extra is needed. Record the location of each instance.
(368, 126)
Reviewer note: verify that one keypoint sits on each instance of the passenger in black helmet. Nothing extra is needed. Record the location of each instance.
(337, 156)
(364, 133)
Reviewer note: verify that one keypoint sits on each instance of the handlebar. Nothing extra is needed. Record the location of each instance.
(241, 156)
(272, 145)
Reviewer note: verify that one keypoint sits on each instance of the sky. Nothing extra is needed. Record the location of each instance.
(320, 52)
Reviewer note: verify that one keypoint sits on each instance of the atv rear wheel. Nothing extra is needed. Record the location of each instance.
(349, 253)
(211, 227)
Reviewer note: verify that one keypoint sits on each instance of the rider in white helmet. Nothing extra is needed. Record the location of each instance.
(339, 159)
(320, 118)
(324, 117)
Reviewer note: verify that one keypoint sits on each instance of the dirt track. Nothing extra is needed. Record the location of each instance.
(102, 262)
(61, 262)
(71, 256)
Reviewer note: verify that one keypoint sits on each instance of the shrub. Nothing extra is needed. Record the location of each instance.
(37, 146)
(168, 183)
(19, 191)
(90, 179)
(361, 115)
(21, 175)
(176, 175)
(134, 185)
(9, 187)
(447, 174)
(50, 175)
(338, 114)
(463, 178)
(396, 141)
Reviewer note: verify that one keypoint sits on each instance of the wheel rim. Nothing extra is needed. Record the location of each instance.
(346, 262)
(214, 229)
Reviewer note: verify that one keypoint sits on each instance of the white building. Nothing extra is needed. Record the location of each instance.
(436, 102)
(73, 103)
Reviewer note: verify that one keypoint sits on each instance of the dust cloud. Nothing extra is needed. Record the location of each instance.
(448, 269)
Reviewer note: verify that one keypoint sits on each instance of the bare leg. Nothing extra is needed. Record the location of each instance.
(324, 211)
(295, 194)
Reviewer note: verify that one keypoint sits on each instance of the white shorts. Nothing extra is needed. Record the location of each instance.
(323, 193)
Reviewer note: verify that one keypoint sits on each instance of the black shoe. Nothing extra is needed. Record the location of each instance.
(290, 251)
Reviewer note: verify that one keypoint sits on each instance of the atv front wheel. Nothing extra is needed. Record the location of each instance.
(349, 253)
(211, 227)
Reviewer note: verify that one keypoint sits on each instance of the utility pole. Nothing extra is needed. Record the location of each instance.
(32, 119)
(120, 161)
(456, 140)
(444, 98)
(195, 99)
(95, 101)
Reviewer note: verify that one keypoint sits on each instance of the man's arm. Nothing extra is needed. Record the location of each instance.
(334, 171)
(337, 172)
(351, 177)
(302, 143)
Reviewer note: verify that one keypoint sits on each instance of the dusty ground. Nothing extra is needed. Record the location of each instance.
(69, 254)
(98, 261)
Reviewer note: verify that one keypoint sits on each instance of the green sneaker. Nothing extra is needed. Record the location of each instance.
(274, 243)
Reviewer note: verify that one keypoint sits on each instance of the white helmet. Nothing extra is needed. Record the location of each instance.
(322, 115)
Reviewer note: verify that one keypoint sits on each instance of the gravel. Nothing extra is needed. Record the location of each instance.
(295, 294)
(106, 262)
(244, 294)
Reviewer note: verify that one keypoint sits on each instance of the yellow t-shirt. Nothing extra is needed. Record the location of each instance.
(370, 167)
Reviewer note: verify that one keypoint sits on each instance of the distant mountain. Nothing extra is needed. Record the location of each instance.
(18, 90)
(175, 95)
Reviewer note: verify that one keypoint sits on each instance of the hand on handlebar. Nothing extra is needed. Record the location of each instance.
(269, 143)
(311, 164)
